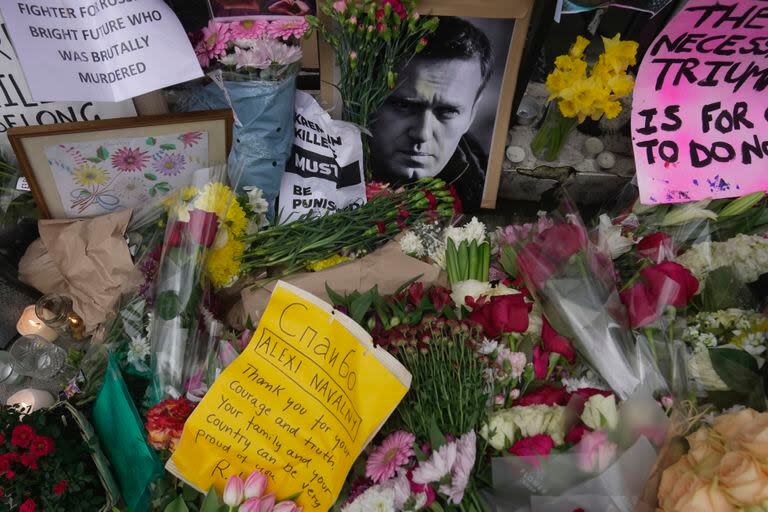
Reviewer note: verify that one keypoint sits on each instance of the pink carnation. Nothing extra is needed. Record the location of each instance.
(394, 452)
(285, 29)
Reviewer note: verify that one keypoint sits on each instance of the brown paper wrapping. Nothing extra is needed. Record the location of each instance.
(387, 267)
(85, 259)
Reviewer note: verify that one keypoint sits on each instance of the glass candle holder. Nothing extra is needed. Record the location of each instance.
(56, 312)
(8, 373)
(37, 358)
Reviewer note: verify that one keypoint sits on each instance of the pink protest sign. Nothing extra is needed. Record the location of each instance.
(700, 108)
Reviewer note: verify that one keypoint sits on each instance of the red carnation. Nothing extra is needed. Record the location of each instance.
(41, 446)
(203, 227)
(502, 314)
(458, 207)
(60, 487)
(540, 363)
(538, 445)
(656, 247)
(576, 433)
(440, 297)
(28, 506)
(415, 293)
(553, 342)
(28, 460)
(22, 435)
(545, 395)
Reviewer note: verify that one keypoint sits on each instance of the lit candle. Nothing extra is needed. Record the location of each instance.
(29, 323)
(30, 400)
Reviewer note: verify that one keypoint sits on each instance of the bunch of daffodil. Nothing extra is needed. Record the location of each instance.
(582, 92)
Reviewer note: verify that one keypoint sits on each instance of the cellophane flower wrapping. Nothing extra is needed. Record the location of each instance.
(180, 336)
(574, 284)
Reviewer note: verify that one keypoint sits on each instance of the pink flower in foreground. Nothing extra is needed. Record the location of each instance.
(249, 29)
(263, 504)
(286, 506)
(285, 29)
(393, 453)
(596, 452)
(233, 491)
(216, 37)
(255, 485)
(462, 468)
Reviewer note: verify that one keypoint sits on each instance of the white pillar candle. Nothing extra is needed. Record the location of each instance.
(29, 324)
(30, 400)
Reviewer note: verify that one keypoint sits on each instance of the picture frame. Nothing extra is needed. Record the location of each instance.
(193, 140)
(518, 11)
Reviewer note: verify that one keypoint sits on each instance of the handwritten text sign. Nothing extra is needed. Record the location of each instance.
(99, 50)
(18, 109)
(299, 404)
(700, 109)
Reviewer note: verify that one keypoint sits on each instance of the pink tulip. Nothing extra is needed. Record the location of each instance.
(233, 491)
(286, 506)
(255, 485)
(263, 504)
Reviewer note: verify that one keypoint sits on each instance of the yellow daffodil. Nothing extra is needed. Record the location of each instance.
(577, 50)
(621, 85)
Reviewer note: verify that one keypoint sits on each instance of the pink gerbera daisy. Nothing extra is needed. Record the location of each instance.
(216, 37)
(128, 159)
(394, 452)
(285, 29)
(248, 29)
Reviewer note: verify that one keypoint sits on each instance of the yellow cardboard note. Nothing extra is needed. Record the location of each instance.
(299, 404)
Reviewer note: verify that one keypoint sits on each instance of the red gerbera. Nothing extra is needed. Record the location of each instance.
(41, 446)
(60, 487)
(22, 435)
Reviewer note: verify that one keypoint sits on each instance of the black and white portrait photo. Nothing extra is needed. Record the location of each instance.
(439, 120)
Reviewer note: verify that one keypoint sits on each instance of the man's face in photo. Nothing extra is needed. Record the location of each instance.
(419, 127)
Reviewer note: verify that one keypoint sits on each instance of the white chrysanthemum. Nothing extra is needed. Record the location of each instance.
(487, 347)
(411, 245)
(374, 499)
(747, 255)
(138, 351)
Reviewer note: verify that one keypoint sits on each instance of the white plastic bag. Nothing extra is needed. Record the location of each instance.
(325, 171)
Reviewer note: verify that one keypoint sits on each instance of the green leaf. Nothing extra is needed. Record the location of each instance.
(177, 505)
(151, 141)
(436, 437)
(725, 290)
(163, 186)
(152, 192)
(336, 298)
(189, 494)
(211, 502)
(102, 153)
(168, 146)
(360, 306)
(94, 160)
(168, 304)
(508, 260)
(405, 285)
(737, 368)
(150, 176)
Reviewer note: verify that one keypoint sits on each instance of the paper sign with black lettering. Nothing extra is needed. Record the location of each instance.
(99, 50)
(325, 171)
(17, 108)
(700, 108)
(299, 404)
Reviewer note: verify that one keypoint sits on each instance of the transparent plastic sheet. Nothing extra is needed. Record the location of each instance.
(556, 481)
(263, 133)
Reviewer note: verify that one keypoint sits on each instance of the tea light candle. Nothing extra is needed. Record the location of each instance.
(31, 400)
(29, 323)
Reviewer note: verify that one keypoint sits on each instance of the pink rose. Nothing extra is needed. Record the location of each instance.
(203, 227)
(596, 452)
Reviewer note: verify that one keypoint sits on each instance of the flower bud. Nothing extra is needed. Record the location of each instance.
(255, 485)
(286, 506)
(233, 491)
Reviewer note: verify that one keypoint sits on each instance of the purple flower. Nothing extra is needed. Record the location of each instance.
(169, 164)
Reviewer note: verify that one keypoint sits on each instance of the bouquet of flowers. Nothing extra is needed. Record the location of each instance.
(165, 422)
(577, 91)
(371, 39)
(254, 64)
(46, 464)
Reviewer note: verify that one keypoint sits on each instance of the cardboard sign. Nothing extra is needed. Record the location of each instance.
(299, 404)
(100, 50)
(17, 108)
(700, 110)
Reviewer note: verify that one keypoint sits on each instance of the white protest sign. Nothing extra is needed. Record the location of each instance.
(100, 50)
(17, 108)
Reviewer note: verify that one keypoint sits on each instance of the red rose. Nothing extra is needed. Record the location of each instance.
(545, 395)
(562, 241)
(177, 231)
(415, 292)
(540, 363)
(203, 227)
(28, 460)
(553, 342)
(576, 433)
(671, 283)
(440, 297)
(656, 247)
(2, 438)
(22, 435)
(28, 506)
(502, 314)
(41, 446)
(538, 445)
(641, 307)
(534, 265)
(60, 487)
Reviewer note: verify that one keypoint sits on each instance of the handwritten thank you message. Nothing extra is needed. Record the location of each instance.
(299, 404)
(700, 110)
(99, 50)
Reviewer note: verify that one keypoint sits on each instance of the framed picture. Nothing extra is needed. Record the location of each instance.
(95, 167)
(449, 112)
(233, 8)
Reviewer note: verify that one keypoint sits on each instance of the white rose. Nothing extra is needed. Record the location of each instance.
(499, 430)
(471, 287)
(540, 419)
(600, 412)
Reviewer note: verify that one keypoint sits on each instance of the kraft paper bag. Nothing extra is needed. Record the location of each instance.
(85, 259)
(387, 267)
